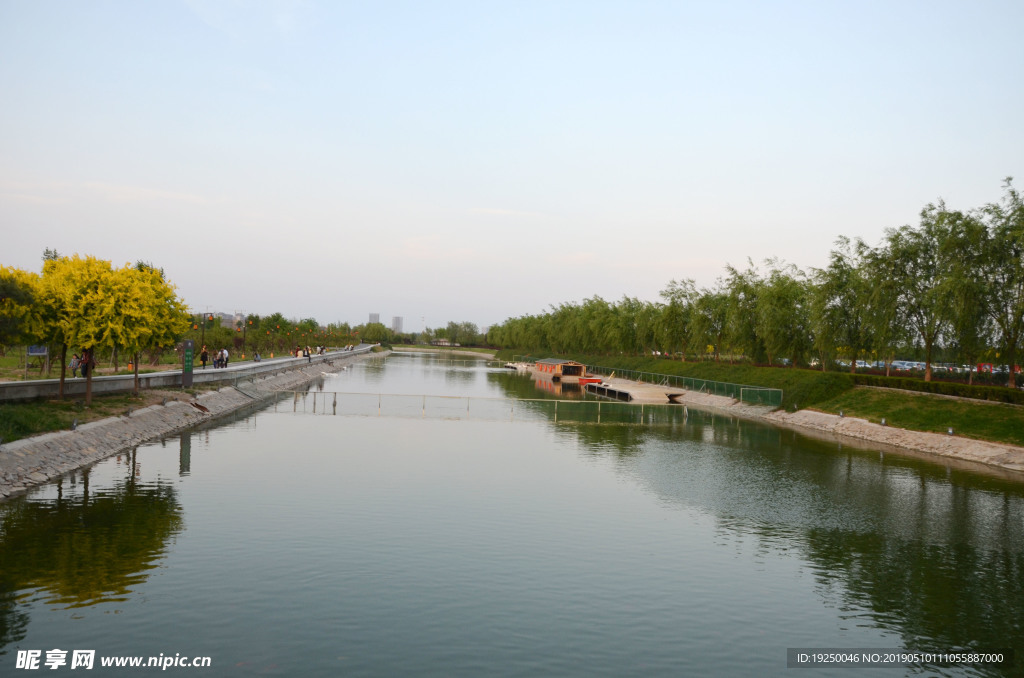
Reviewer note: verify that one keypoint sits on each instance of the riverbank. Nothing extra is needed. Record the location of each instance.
(444, 351)
(36, 460)
(932, 445)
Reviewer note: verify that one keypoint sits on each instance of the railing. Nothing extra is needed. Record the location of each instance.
(424, 406)
(754, 395)
(125, 383)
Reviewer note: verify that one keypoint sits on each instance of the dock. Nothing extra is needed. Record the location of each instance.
(627, 391)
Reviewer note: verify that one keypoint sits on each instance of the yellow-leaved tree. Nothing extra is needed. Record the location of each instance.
(94, 306)
(20, 315)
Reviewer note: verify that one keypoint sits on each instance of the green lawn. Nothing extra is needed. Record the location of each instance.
(981, 420)
(834, 392)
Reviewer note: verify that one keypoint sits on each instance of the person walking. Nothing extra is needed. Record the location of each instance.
(204, 356)
(75, 362)
(224, 362)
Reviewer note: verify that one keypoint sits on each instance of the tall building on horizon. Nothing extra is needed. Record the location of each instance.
(396, 324)
(375, 317)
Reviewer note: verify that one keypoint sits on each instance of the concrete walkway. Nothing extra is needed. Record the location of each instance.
(125, 383)
(36, 460)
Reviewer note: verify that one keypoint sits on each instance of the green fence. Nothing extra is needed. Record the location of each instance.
(754, 395)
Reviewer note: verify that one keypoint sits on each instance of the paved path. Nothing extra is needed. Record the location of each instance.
(36, 460)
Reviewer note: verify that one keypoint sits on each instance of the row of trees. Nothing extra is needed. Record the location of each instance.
(954, 282)
(86, 303)
(269, 334)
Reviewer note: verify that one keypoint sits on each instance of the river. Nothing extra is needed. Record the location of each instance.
(422, 516)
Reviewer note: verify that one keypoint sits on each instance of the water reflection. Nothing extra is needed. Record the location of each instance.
(84, 547)
(599, 536)
(933, 554)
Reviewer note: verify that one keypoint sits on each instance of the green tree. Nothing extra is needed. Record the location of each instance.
(708, 320)
(744, 289)
(911, 257)
(376, 333)
(674, 320)
(839, 306)
(964, 287)
(1003, 263)
(782, 318)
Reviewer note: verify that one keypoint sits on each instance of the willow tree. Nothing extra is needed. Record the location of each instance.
(1004, 273)
(840, 304)
(964, 284)
(744, 289)
(782, 317)
(674, 320)
(911, 259)
(708, 320)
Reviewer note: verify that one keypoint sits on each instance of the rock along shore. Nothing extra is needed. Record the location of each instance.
(32, 461)
(935, 446)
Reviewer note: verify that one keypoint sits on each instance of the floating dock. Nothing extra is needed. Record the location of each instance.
(627, 391)
(606, 391)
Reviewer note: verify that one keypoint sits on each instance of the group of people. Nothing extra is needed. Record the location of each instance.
(84, 362)
(308, 352)
(220, 358)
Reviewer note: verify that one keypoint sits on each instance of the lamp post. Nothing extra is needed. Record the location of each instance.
(204, 317)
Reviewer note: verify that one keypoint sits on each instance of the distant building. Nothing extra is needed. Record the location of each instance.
(396, 324)
(375, 317)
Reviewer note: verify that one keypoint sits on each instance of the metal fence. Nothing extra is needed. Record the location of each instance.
(337, 403)
(754, 395)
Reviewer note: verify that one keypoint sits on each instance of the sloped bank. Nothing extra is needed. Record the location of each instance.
(932, 445)
(36, 460)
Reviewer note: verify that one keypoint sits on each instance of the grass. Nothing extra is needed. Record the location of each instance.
(800, 387)
(833, 392)
(24, 419)
(981, 420)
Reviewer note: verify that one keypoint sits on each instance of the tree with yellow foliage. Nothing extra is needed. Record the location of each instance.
(20, 316)
(90, 304)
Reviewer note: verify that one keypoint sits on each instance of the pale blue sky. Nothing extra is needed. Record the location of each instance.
(480, 160)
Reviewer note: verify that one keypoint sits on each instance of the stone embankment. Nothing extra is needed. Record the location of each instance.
(948, 447)
(36, 460)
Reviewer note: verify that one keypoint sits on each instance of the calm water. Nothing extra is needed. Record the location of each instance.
(383, 533)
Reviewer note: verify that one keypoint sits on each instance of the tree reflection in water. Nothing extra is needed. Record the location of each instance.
(88, 548)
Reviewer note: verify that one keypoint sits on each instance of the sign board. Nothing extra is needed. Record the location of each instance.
(36, 351)
(186, 372)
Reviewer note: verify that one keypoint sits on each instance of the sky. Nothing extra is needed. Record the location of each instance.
(475, 161)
